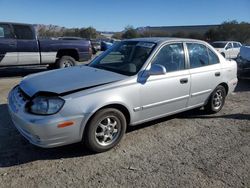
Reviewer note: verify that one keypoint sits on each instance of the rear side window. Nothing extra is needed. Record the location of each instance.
(171, 57)
(213, 58)
(23, 32)
(198, 55)
(5, 32)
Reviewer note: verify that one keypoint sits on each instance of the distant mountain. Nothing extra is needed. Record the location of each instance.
(57, 28)
(170, 30)
(50, 27)
(200, 29)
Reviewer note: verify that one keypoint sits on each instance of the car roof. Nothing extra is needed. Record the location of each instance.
(224, 41)
(160, 40)
(16, 23)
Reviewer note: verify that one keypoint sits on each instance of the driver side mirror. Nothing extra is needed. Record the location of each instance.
(157, 69)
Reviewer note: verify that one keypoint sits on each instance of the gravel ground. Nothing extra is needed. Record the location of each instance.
(190, 149)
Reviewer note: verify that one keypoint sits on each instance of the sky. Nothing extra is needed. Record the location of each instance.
(115, 15)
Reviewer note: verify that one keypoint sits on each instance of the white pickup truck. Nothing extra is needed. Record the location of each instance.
(229, 49)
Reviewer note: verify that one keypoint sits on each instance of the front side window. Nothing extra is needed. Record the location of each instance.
(229, 46)
(126, 57)
(23, 32)
(5, 32)
(198, 55)
(171, 57)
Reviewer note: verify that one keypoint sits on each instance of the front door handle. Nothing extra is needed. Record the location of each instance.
(217, 74)
(183, 80)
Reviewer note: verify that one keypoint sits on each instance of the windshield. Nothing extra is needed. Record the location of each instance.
(219, 44)
(126, 57)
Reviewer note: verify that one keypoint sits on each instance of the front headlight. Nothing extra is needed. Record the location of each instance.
(45, 105)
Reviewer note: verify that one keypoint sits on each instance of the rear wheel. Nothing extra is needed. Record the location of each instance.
(66, 61)
(216, 100)
(105, 130)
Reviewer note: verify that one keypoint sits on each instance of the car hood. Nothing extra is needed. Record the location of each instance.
(68, 80)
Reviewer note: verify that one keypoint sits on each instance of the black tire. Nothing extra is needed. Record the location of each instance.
(95, 134)
(216, 100)
(223, 54)
(66, 61)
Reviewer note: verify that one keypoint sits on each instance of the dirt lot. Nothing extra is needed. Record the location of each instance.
(186, 150)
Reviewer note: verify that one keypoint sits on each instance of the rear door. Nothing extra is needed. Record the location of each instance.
(8, 46)
(27, 45)
(205, 71)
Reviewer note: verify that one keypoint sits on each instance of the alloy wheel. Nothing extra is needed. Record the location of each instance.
(218, 99)
(107, 131)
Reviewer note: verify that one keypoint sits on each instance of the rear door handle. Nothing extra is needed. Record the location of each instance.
(217, 74)
(183, 80)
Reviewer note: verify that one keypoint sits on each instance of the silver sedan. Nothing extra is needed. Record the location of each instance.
(133, 82)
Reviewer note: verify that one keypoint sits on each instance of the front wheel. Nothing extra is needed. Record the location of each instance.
(66, 61)
(105, 130)
(216, 100)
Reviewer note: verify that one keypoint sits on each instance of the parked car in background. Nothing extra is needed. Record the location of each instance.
(229, 49)
(105, 45)
(134, 81)
(19, 46)
(243, 61)
(96, 46)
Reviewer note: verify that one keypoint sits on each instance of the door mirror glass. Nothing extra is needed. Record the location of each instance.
(157, 69)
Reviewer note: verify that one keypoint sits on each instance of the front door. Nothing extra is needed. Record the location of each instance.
(8, 46)
(27, 45)
(168, 93)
